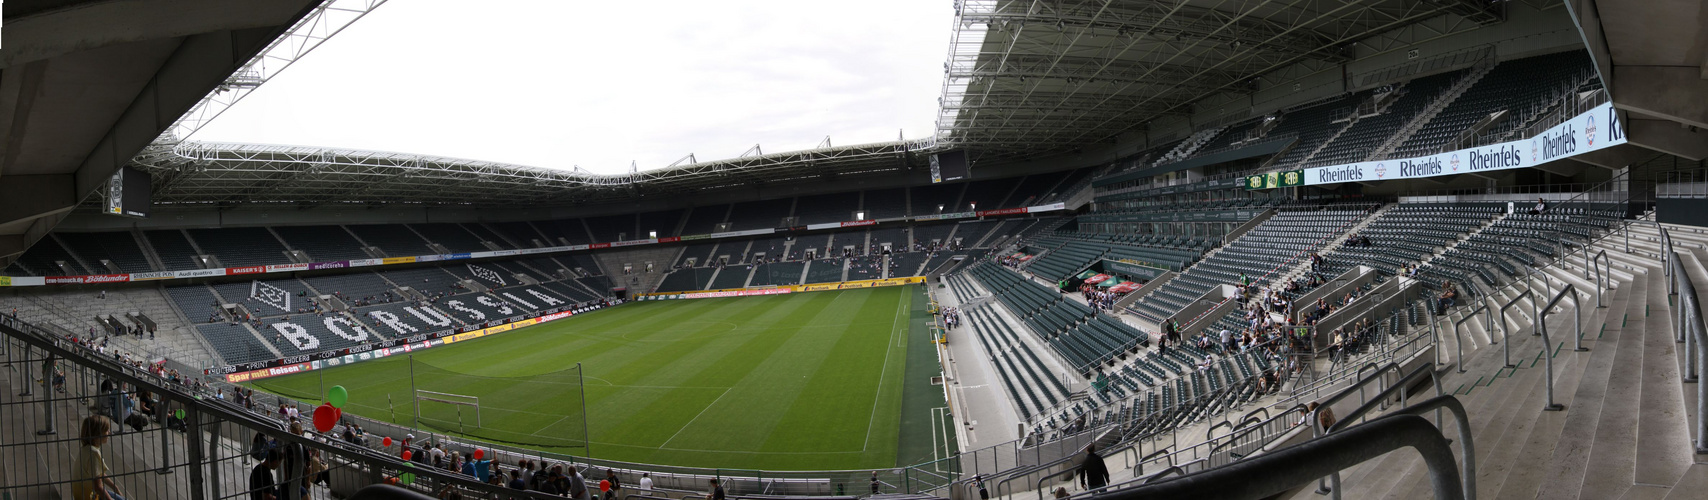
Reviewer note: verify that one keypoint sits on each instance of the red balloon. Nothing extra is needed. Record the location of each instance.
(604, 485)
(479, 453)
(325, 417)
(387, 441)
(407, 454)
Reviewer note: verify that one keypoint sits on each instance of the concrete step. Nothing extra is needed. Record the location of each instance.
(1663, 450)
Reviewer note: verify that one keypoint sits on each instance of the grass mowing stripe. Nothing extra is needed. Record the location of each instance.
(901, 310)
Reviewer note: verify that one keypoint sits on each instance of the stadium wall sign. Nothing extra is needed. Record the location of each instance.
(1596, 129)
(6, 281)
(257, 370)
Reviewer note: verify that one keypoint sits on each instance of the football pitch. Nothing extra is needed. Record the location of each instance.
(805, 381)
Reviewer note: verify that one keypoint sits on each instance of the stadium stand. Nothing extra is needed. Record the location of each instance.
(49, 258)
(759, 214)
(396, 240)
(989, 194)
(322, 243)
(733, 276)
(705, 219)
(1510, 87)
(452, 236)
(881, 204)
(824, 270)
(1034, 188)
(1291, 234)
(120, 249)
(612, 228)
(173, 248)
(777, 273)
(1086, 340)
(926, 199)
(827, 208)
(694, 278)
(522, 233)
(1359, 142)
(663, 222)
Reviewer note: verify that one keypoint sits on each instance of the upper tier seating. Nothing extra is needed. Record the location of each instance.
(664, 222)
(759, 214)
(393, 239)
(1518, 86)
(705, 219)
(452, 236)
(827, 208)
(613, 228)
(1359, 142)
(174, 251)
(119, 248)
(885, 204)
(323, 243)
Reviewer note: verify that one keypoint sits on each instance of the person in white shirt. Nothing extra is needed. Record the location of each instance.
(646, 481)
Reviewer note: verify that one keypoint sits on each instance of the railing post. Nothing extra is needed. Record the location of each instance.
(47, 394)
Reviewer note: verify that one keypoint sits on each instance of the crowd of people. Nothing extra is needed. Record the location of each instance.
(951, 317)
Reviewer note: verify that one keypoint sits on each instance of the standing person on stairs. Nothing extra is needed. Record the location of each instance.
(1093, 473)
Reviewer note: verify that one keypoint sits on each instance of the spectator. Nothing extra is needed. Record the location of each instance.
(261, 485)
(92, 481)
(718, 491)
(1540, 207)
(577, 485)
(616, 490)
(1093, 473)
(646, 481)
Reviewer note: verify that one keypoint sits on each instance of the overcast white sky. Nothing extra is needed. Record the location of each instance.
(554, 83)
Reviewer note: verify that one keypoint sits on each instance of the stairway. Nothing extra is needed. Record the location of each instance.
(1623, 431)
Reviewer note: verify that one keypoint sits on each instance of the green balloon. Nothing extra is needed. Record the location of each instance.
(179, 414)
(406, 478)
(337, 396)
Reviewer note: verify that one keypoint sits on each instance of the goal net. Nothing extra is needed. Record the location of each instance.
(445, 409)
(542, 410)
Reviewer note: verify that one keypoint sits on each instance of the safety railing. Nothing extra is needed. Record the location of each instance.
(1459, 339)
(1688, 326)
(1399, 389)
(1317, 431)
(1548, 344)
(198, 454)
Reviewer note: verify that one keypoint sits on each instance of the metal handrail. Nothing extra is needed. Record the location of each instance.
(1548, 345)
(1459, 339)
(1272, 473)
(1172, 469)
(1139, 468)
(1602, 280)
(1505, 332)
(1691, 327)
(1317, 430)
(1467, 453)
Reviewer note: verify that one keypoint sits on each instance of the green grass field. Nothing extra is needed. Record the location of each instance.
(806, 381)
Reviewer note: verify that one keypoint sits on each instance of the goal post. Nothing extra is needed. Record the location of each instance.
(457, 402)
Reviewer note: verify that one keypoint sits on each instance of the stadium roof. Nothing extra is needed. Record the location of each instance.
(193, 173)
(1032, 78)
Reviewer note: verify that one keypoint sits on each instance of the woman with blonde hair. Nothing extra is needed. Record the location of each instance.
(93, 483)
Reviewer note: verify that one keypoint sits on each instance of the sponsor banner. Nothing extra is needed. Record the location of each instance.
(749, 232)
(269, 372)
(671, 239)
(1047, 208)
(737, 293)
(630, 243)
(396, 260)
(234, 271)
(201, 273)
(462, 256)
(340, 264)
(429, 258)
(1003, 211)
(951, 215)
(834, 225)
(1596, 129)
(599, 245)
(366, 262)
(280, 268)
(22, 281)
(89, 279)
(153, 276)
(693, 237)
